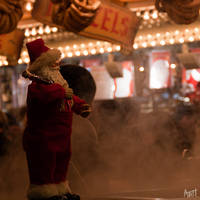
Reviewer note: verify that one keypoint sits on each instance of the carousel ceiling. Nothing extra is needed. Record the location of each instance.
(156, 29)
(130, 4)
(152, 12)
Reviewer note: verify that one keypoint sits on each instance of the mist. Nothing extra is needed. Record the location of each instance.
(135, 151)
(117, 150)
(13, 171)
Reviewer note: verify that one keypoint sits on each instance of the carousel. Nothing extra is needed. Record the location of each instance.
(131, 47)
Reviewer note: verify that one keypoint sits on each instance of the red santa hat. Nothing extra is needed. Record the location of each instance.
(41, 55)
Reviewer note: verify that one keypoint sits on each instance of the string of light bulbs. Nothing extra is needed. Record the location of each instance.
(142, 40)
(101, 47)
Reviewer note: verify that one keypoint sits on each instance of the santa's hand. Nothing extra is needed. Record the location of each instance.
(68, 93)
(86, 110)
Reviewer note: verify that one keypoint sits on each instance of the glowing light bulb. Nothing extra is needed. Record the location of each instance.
(140, 37)
(69, 54)
(29, 6)
(47, 29)
(33, 32)
(109, 49)
(171, 41)
(146, 16)
(135, 46)
(54, 29)
(101, 50)
(20, 61)
(90, 44)
(118, 48)
(162, 42)
(153, 43)
(40, 30)
(141, 69)
(191, 38)
(173, 66)
(187, 30)
(177, 32)
(5, 62)
(138, 13)
(196, 29)
(60, 48)
(82, 45)
(93, 51)
(186, 99)
(155, 15)
(27, 33)
(157, 34)
(67, 48)
(75, 46)
(62, 55)
(181, 40)
(144, 44)
(77, 53)
(98, 43)
(26, 60)
(149, 36)
(24, 53)
(85, 52)
(167, 33)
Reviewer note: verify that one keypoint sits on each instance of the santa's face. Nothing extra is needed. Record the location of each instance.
(53, 73)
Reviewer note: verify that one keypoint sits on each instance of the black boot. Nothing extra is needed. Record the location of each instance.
(55, 198)
(69, 196)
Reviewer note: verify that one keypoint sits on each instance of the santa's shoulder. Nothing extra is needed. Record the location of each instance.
(33, 77)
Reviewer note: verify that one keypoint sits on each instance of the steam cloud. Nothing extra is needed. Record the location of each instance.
(116, 150)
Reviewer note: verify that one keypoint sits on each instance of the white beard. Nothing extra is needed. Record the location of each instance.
(53, 74)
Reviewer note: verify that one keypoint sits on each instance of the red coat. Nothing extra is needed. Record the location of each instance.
(49, 118)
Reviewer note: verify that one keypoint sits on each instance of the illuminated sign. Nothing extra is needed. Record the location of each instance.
(110, 88)
(160, 74)
(112, 23)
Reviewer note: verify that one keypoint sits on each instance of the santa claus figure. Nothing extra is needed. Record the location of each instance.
(47, 137)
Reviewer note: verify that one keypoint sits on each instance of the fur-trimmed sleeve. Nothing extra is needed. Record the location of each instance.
(45, 93)
(78, 104)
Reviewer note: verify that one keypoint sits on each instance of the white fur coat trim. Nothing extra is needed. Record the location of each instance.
(47, 58)
(42, 191)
